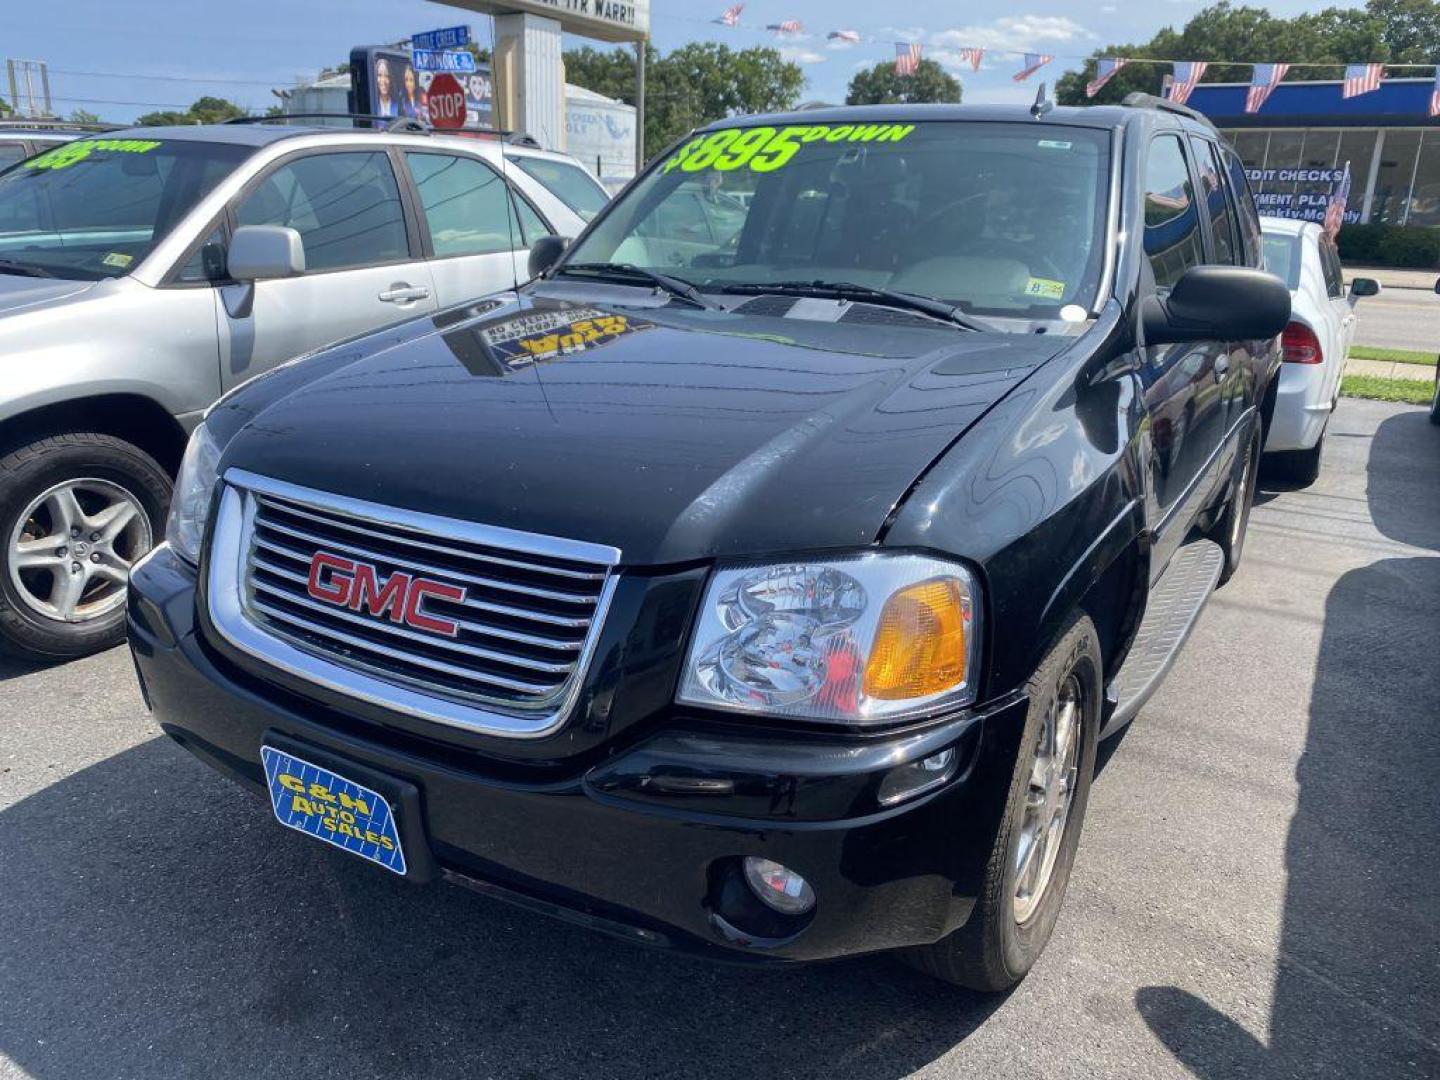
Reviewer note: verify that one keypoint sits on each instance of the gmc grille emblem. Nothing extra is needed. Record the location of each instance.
(401, 598)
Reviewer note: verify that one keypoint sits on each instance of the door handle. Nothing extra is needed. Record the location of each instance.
(401, 293)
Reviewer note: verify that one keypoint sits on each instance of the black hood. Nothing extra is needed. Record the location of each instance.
(673, 434)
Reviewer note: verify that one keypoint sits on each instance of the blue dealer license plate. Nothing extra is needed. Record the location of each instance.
(329, 807)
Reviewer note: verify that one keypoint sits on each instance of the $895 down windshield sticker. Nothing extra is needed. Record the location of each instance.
(67, 154)
(765, 149)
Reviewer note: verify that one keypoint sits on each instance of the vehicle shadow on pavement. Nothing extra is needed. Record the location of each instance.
(1360, 937)
(155, 921)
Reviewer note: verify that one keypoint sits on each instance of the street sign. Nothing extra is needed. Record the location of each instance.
(431, 60)
(446, 101)
(452, 37)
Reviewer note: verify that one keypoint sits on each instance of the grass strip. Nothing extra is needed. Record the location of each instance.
(1399, 356)
(1410, 391)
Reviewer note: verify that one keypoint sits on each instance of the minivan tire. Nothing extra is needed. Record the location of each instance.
(97, 474)
(995, 948)
(1298, 468)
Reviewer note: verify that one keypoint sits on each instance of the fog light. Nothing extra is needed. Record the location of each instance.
(917, 776)
(779, 886)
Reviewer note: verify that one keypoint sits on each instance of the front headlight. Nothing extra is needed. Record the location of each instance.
(191, 501)
(858, 640)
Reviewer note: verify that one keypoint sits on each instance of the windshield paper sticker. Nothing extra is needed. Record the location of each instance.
(117, 259)
(540, 336)
(765, 149)
(62, 157)
(1045, 289)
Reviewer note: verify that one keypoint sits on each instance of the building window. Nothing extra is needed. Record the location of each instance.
(1356, 147)
(1392, 181)
(1250, 145)
(1425, 195)
(1284, 153)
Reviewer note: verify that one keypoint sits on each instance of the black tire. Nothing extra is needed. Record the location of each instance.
(26, 474)
(993, 951)
(1435, 399)
(1296, 468)
(1230, 528)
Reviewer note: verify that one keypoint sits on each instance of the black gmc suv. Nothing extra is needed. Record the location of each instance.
(760, 577)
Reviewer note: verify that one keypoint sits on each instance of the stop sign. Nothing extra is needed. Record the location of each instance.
(446, 101)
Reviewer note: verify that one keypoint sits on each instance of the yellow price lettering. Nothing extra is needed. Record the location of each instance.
(764, 149)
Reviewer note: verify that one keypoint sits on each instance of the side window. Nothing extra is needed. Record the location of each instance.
(346, 208)
(11, 152)
(1217, 203)
(1330, 263)
(1172, 222)
(1249, 216)
(532, 225)
(466, 203)
(208, 262)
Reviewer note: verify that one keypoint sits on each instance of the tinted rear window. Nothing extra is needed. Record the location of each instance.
(1282, 257)
(570, 184)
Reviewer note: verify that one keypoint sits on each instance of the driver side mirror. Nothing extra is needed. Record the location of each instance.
(1217, 303)
(262, 252)
(1364, 286)
(545, 253)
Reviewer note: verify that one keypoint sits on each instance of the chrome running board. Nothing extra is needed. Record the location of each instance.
(1174, 604)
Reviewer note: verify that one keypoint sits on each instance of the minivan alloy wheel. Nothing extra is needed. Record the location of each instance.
(1046, 806)
(72, 548)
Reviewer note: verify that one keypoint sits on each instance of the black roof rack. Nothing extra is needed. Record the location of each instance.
(41, 123)
(404, 124)
(1137, 100)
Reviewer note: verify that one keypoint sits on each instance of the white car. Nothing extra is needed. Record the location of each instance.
(1322, 326)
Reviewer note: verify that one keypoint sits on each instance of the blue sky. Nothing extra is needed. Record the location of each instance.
(120, 58)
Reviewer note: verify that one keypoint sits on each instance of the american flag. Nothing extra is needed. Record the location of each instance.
(789, 26)
(1033, 63)
(974, 56)
(907, 58)
(850, 36)
(1186, 75)
(1105, 69)
(1263, 80)
(731, 15)
(1335, 212)
(1361, 79)
(1435, 95)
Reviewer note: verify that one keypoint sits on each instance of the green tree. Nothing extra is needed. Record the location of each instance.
(205, 110)
(1405, 31)
(1411, 29)
(882, 86)
(83, 116)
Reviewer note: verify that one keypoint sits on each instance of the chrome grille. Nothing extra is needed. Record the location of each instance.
(524, 627)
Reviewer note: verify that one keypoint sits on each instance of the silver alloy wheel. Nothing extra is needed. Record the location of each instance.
(1048, 798)
(1242, 494)
(71, 551)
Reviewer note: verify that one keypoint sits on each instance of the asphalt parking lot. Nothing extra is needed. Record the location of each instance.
(1255, 894)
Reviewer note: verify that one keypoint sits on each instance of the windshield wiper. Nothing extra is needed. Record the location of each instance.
(8, 266)
(677, 287)
(849, 290)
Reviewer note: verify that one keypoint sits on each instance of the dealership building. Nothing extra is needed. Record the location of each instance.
(1297, 146)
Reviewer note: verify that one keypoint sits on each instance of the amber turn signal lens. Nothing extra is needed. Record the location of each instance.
(919, 646)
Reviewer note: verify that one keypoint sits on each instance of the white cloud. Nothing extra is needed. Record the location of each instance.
(1107, 9)
(1012, 32)
(799, 54)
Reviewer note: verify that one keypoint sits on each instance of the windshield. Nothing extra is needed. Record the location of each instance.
(1001, 219)
(570, 184)
(95, 207)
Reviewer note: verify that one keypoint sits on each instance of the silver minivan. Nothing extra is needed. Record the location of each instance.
(145, 272)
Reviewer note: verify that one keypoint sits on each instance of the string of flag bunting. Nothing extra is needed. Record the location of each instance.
(1177, 84)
